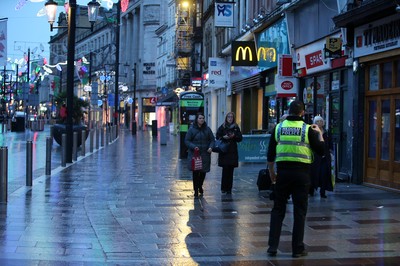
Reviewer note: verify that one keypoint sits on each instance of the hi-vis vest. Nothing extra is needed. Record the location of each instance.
(293, 144)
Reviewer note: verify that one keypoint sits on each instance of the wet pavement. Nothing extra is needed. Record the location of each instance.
(131, 203)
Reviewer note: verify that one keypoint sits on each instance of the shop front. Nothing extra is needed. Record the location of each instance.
(324, 86)
(255, 64)
(377, 58)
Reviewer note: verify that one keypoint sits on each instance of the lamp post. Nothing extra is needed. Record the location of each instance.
(51, 9)
(134, 102)
(116, 100)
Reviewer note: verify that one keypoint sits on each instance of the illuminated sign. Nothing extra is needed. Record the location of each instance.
(272, 42)
(244, 54)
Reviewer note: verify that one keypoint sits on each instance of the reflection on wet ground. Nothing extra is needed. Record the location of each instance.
(131, 203)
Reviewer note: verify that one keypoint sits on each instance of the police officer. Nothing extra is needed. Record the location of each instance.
(291, 146)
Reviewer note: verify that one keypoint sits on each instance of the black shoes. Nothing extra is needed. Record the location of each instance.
(272, 252)
(301, 254)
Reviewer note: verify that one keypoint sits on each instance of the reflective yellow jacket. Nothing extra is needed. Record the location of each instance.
(293, 144)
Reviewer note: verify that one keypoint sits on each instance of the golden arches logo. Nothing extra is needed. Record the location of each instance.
(244, 51)
(265, 54)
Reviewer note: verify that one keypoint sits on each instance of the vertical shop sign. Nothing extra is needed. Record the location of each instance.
(224, 14)
(217, 72)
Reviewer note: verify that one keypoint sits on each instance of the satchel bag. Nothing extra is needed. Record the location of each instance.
(197, 162)
(220, 146)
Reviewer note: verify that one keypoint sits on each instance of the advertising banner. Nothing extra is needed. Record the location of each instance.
(3, 42)
(253, 148)
(216, 72)
(272, 42)
(224, 14)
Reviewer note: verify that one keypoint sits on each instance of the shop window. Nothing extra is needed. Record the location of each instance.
(335, 83)
(387, 75)
(385, 139)
(374, 77)
(397, 73)
(397, 132)
(372, 129)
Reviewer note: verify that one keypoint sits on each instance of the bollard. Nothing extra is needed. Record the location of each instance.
(48, 155)
(97, 138)
(133, 126)
(29, 163)
(102, 136)
(83, 145)
(3, 173)
(75, 146)
(52, 134)
(64, 150)
(107, 135)
(91, 134)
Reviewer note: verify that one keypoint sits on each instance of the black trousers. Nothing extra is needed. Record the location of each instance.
(198, 180)
(227, 178)
(297, 184)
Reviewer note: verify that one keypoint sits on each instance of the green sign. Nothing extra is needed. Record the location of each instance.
(253, 148)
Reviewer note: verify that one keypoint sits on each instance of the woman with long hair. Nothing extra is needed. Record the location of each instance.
(229, 132)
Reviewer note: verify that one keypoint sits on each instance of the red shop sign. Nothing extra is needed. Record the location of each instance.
(287, 85)
(314, 59)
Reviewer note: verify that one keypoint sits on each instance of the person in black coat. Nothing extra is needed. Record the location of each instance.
(321, 176)
(199, 137)
(230, 132)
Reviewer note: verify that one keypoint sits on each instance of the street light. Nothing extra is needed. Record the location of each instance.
(133, 111)
(51, 9)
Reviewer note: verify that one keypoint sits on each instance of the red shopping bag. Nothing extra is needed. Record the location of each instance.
(197, 162)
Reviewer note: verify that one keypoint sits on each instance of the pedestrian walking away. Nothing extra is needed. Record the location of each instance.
(229, 132)
(200, 138)
(321, 174)
(291, 147)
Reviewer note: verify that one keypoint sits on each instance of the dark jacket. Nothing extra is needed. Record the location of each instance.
(321, 175)
(231, 157)
(316, 145)
(203, 138)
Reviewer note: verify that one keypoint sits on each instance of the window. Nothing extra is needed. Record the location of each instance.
(374, 77)
(385, 130)
(397, 72)
(387, 75)
(372, 129)
(397, 132)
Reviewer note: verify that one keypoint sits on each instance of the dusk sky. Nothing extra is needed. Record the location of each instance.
(24, 28)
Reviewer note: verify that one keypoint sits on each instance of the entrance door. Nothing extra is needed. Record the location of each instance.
(382, 160)
(339, 132)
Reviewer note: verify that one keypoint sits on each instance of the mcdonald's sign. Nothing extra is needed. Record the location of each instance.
(244, 54)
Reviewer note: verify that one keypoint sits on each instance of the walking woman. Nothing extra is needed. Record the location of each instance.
(200, 136)
(230, 132)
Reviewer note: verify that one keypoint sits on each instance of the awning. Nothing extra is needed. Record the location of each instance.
(168, 100)
(250, 82)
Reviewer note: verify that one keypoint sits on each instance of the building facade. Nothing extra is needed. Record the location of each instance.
(373, 39)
